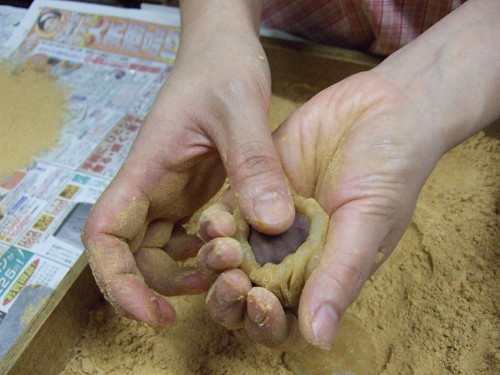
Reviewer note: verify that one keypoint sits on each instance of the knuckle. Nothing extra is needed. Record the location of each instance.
(347, 279)
(255, 160)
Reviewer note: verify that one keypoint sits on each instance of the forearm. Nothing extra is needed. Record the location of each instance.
(204, 21)
(452, 71)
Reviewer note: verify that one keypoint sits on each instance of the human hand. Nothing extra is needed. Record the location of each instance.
(363, 149)
(209, 120)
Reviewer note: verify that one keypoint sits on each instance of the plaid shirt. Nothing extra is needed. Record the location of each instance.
(376, 26)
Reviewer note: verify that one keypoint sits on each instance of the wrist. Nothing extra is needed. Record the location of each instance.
(214, 19)
(221, 33)
(452, 72)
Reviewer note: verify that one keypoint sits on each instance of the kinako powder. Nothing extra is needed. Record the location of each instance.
(32, 112)
(432, 308)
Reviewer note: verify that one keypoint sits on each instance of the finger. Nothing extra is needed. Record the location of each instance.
(350, 250)
(255, 173)
(157, 234)
(265, 320)
(118, 217)
(181, 245)
(122, 284)
(218, 255)
(217, 220)
(226, 300)
(163, 275)
(295, 142)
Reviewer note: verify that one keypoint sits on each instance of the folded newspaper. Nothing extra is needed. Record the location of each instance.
(113, 61)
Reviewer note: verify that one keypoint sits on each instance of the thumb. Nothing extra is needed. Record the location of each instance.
(357, 242)
(256, 176)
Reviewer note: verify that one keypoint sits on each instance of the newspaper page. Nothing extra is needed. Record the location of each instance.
(113, 62)
(10, 18)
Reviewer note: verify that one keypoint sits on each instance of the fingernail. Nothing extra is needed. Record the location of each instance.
(166, 321)
(271, 208)
(230, 293)
(258, 317)
(257, 313)
(324, 324)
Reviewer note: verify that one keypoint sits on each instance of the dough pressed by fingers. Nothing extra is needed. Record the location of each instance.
(287, 278)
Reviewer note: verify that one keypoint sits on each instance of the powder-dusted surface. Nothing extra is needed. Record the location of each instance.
(433, 308)
(113, 344)
(31, 115)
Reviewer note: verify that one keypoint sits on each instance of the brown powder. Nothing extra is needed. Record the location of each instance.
(31, 115)
(433, 308)
(113, 344)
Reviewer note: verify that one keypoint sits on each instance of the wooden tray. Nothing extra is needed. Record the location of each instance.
(298, 71)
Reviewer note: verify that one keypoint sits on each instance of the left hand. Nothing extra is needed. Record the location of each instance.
(195, 136)
(363, 150)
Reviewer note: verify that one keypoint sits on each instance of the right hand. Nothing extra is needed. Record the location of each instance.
(209, 120)
(390, 125)
(363, 149)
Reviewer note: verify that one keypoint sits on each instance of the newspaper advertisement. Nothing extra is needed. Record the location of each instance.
(113, 62)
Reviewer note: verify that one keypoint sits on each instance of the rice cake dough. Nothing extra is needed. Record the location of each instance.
(286, 278)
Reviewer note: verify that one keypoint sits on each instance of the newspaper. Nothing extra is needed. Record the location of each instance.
(113, 61)
(10, 18)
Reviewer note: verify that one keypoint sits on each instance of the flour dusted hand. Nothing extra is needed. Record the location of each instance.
(361, 148)
(195, 135)
(352, 148)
